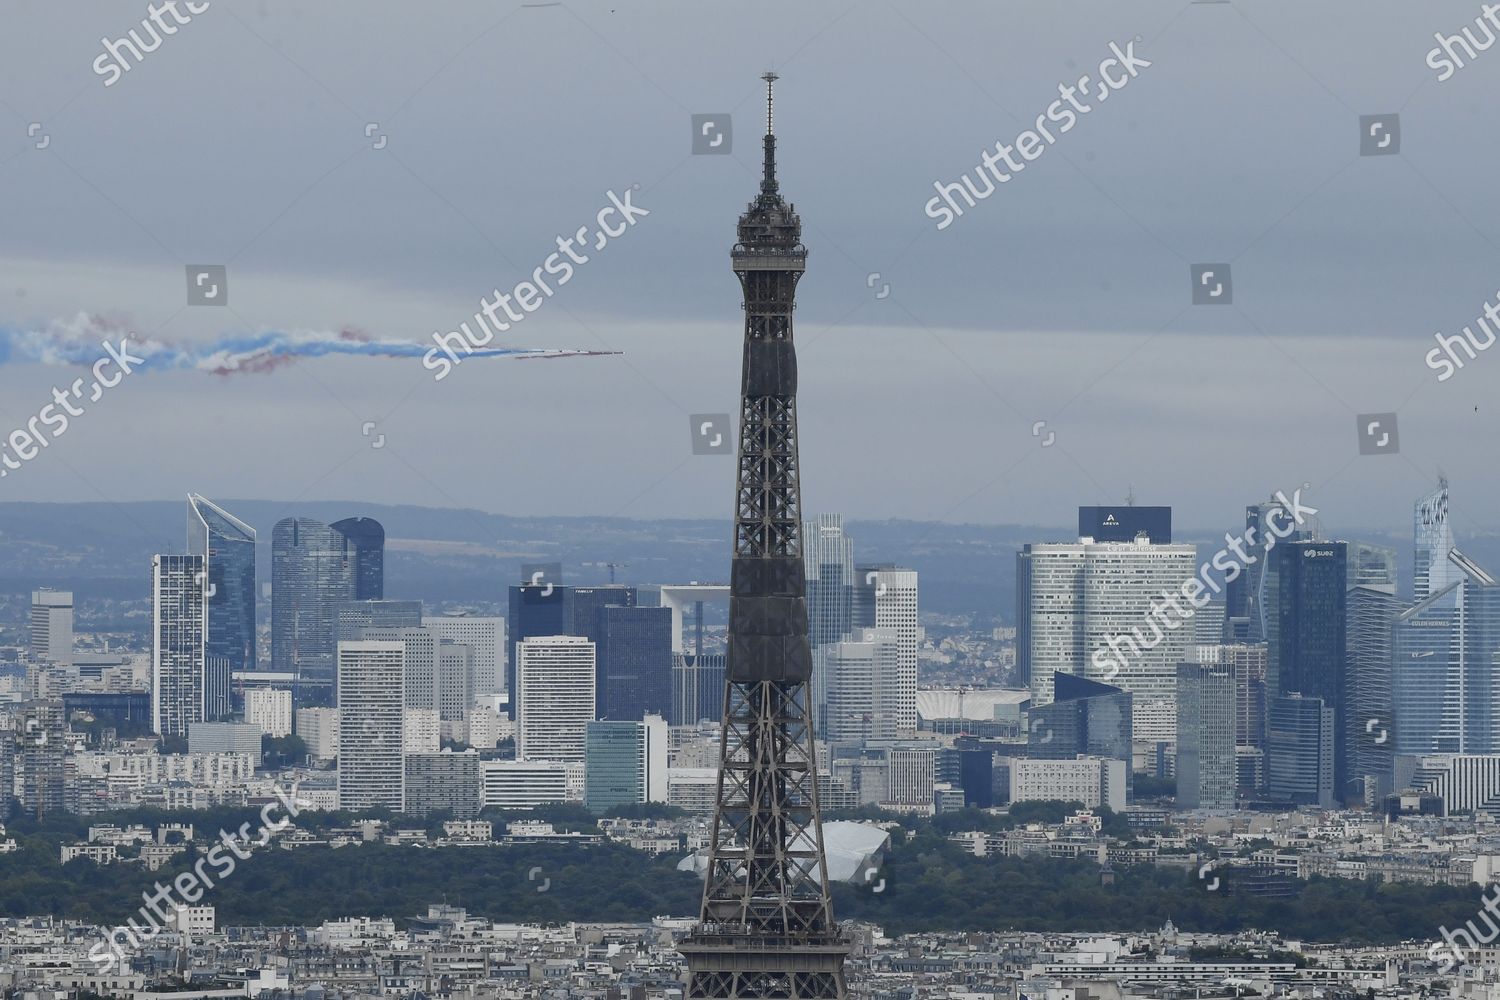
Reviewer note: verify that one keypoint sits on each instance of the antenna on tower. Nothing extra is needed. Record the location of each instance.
(768, 179)
(1130, 495)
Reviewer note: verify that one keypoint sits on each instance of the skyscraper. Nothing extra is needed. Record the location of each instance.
(315, 567)
(51, 626)
(350, 618)
(864, 686)
(420, 662)
(1085, 718)
(178, 643)
(227, 547)
(634, 668)
(1245, 595)
(1306, 633)
(1090, 613)
(1433, 540)
(41, 759)
(1373, 609)
(552, 609)
(766, 928)
(1300, 751)
(371, 726)
(1206, 763)
(485, 638)
(828, 556)
(554, 697)
(885, 597)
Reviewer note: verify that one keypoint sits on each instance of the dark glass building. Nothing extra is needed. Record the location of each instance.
(1084, 717)
(227, 546)
(1370, 733)
(697, 688)
(316, 567)
(1307, 633)
(633, 663)
(1125, 523)
(1300, 751)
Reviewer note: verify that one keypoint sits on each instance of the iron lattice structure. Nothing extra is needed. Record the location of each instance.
(766, 928)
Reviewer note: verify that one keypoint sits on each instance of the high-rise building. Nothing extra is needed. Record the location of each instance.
(1373, 610)
(864, 686)
(1206, 763)
(1090, 613)
(421, 731)
(549, 609)
(1300, 751)
(421, 662)
(697, 688)
(1307, 631)
(885, 597)
(178, 643)
(625, 763)
(227, 547)
(1432, 571)
(485, 638)
(554, 697)
(1371, 565)
(269, 710)
(766, 926)
(1248, 665)
(52, 626)
(1245, 595)
(41, 764)
(634, 670)
(316, 567)
(371, 693)
(455, 681)
(828, 558)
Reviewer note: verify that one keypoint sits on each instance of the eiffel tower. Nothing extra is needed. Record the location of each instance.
(766, 929)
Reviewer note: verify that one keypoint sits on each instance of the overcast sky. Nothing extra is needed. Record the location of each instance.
(1064, 297)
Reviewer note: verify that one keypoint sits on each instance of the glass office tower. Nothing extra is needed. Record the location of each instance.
(227, 546)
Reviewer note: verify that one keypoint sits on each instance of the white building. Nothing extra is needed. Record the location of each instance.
(554, 697)
(455, 680)
(865, 687)
(1090, 613)
(1092, 781)
(52, 626)
(179, 634)
(371, 695)
(420, 647)
(486, 728)
(522, 784)
(319, 729)
(886, 598)
(423, 730)
(485, 638)
(269, 710)
(224, 737)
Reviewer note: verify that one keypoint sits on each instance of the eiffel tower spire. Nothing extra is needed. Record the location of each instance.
(766, 929)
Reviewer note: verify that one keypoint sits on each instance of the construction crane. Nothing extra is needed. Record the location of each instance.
(611, 566)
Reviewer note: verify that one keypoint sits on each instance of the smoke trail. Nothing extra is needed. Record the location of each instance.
(76, 342)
